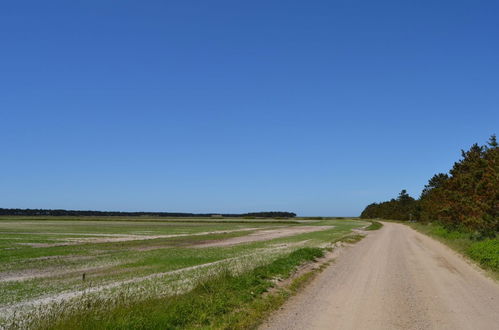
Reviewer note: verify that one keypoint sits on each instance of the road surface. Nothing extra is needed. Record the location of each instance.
(396, 278)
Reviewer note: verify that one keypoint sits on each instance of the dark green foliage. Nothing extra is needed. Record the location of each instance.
(402, 208)
(466, 199)
(58, 213)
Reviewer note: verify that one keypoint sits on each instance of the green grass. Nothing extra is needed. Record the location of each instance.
(375, 225)
(484, 252)
(216, 303)
(59, 269)
(352, 238)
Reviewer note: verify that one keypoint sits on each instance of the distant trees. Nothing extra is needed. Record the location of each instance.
(467, 198)
(402, 208)
(272, 214)
(42, 212)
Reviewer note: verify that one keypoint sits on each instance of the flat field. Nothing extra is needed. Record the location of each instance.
(49, 264)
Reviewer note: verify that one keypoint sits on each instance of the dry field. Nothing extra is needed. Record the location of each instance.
(51, 264)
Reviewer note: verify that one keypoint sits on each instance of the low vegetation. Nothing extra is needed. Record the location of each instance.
(484, 251)
(352, 238)
(218, 301)
(375, 225)
(69, 270)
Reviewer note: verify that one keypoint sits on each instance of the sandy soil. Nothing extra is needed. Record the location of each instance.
(110, 238)
(259, 235)
(32, 273)
(59, 297)
(396, 278)
(8, 310)
(264, 235)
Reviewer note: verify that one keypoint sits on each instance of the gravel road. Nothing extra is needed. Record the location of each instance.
(396, 278)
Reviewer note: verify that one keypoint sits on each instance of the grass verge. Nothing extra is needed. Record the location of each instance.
(351, 239)
(226, 301)
(485, 252)
(375, 225)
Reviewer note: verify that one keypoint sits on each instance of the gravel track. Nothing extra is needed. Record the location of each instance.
(396, 278)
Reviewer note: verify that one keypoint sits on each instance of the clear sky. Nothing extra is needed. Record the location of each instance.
(317, 107)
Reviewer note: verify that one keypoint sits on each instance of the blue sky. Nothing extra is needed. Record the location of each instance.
(317, 107)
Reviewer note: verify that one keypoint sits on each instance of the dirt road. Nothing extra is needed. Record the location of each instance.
(396, 278)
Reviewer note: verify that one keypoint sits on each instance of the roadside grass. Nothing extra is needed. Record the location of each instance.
(258, 310)
(350, 239)
(485, 252)
(375, 225)
(226, 301)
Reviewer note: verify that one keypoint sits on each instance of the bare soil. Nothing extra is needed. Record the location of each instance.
(264, 235)
(112, 238)
(9, 310)
(259, 235)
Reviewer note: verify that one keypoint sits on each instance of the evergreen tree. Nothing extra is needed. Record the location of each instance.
(465, 199)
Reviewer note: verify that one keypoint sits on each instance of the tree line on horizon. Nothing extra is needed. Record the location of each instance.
(56, 213)
(466, 198)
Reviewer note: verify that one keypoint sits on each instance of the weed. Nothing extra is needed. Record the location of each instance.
(220, 297)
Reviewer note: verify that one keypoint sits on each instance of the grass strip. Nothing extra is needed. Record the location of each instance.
(375, 225)
(226, 301)
(485, 252)
(351, 239)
